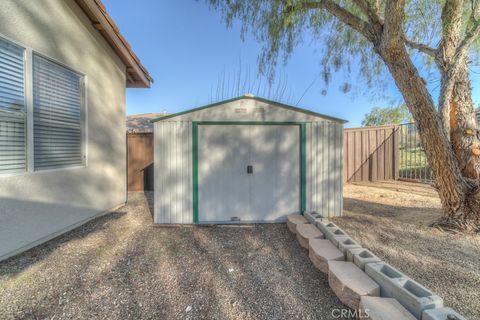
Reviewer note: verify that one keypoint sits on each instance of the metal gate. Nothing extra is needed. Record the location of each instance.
(413, 161)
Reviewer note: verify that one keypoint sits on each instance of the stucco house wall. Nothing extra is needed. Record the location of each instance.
(35, 206)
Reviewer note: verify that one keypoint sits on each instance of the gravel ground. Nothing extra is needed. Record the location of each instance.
(392, 218)
(122, 267)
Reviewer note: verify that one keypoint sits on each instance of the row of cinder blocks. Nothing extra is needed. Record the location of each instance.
(356, 275)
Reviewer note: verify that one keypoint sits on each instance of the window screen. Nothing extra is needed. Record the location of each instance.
(12, 109)
(57, 115)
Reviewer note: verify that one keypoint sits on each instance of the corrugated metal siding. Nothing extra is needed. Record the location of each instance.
(173, 167)
(173, 162)
(324, 168)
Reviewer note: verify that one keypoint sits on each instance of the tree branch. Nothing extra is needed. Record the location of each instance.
(451, 26)
(451, 59)
(343, 15)
(393, 35)
(451, 75)
(371, 11)
(421, 47)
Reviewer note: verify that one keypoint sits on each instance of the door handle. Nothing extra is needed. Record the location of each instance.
(249, 169)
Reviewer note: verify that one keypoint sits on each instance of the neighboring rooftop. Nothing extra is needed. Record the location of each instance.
(140, 123)
(137, 74)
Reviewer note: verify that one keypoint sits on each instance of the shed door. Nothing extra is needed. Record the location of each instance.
(227, 192)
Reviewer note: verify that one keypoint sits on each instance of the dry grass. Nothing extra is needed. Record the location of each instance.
(392, 218)
(121, 267)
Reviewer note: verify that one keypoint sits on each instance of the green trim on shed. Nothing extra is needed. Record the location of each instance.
(303, 157)
(278, 104)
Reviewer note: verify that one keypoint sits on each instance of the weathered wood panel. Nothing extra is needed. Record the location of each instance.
(370, 153)
(140, 161)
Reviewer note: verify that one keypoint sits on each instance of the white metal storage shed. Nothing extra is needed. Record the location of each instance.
(245, 160)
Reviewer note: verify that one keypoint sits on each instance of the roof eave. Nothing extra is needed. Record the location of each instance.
(137, 75)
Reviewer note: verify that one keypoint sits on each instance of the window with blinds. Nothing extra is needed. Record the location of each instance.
(57, 115)
(12, 108)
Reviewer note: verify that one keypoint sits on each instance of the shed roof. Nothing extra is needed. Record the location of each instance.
(248, 96)
(137, 74)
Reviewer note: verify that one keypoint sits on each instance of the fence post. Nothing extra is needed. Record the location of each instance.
(395, 152)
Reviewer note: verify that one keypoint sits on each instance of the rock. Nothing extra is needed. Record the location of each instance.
(305, 232)
(350, 283)
(376, 308)
(293, 220)
(321, 251)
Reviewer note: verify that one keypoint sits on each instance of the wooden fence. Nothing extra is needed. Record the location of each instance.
(140, 161)
(370, 153)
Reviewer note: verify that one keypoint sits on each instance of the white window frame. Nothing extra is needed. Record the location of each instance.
(29, 139)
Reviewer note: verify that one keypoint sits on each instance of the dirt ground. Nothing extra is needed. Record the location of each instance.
(121, 267)
(392, 218)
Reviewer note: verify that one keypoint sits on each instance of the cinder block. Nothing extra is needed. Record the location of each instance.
(312, 217)
(376, 308)
(350, 283)
(360, 259)
(293, 220)
(412, 295)
(347, 243)
(325, 226)
(305, 232)
(337, 239)
(386, 276)
(350, 253)
(442, 314)
(321, 251)
(334, 234)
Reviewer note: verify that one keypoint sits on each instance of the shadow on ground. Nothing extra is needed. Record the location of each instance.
(393, 222)
(122, 267)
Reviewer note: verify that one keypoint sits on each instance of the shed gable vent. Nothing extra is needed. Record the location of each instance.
(240, 110)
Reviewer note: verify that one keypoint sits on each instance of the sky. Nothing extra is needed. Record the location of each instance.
(187, 47)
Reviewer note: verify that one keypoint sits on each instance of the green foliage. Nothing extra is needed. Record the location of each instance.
(281, 25)
(384, 116)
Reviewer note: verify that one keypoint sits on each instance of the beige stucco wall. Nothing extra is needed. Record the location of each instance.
(36, 206)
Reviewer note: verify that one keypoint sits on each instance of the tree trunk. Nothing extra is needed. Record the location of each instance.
(465, 141)
(464, 133)
(459, 196)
